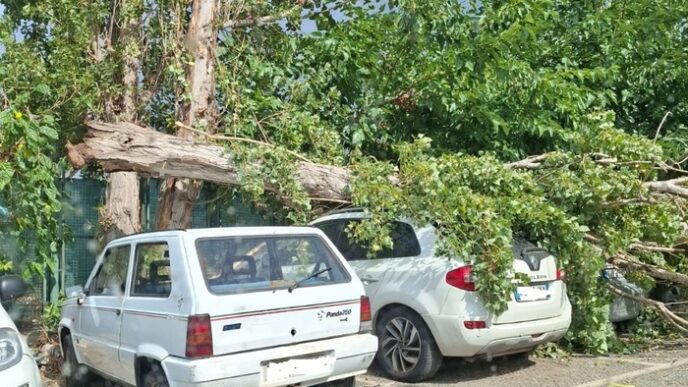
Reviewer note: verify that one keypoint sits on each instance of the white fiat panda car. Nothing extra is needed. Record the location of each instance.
(425, 306)
(262, 306)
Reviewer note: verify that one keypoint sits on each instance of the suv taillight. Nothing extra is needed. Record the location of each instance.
(199, 337)
(461, 278)
(366, 316)
(561, 276)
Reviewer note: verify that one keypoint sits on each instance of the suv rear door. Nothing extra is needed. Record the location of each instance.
(544, 296)
(372, 270)
(261, 295)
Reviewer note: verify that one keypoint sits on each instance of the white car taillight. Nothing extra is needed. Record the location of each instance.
(199, 337)
(366, 316)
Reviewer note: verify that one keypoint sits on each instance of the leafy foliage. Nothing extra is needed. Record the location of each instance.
(48, 87)
(426, 101)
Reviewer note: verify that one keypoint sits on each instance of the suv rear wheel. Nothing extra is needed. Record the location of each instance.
(407, 350)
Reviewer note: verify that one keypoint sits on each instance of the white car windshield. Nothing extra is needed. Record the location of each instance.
(255, 263)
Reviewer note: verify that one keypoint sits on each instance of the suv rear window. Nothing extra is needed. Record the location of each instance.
(405, 243)
(247, 264)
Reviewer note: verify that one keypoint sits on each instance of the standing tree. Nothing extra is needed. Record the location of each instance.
(121, 214)
(178, 196)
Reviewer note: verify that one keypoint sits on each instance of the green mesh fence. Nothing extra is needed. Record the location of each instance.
(83, 197)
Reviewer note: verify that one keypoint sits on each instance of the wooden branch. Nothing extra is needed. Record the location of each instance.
(648, 246)
(678, 322)
(263, 20)
(659, 128)
(125, 146)
(623, 260)
(667, 187)
(240, 139)
(530, 162)
(631, 201)
(671, 187)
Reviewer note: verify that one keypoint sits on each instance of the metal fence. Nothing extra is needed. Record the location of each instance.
(81, 200)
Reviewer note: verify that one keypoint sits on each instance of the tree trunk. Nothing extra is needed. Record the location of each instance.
(178, 196)
(122, 212)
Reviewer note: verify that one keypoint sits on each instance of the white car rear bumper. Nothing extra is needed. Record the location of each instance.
(24, 374)
(353, 354)
(454, 339)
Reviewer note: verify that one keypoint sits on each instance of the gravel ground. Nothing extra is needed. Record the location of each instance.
(659, 368)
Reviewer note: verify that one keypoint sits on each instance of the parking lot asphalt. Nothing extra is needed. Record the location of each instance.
(656, 368)
(660, 367)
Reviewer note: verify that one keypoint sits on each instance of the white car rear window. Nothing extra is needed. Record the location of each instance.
(247, 264)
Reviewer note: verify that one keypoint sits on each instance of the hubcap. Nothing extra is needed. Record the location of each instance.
(401, 344)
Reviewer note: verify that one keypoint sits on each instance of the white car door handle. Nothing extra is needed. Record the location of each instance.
(369, 279)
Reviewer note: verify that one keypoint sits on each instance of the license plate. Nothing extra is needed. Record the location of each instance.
(299, 368)
(532, 293)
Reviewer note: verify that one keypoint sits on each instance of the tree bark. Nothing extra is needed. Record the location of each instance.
(653, 271)
(178, 195)
(129, 147)
(121, 214)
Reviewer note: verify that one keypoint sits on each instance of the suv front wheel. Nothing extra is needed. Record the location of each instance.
(407, 350)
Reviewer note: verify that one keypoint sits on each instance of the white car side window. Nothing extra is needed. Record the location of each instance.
(111, 278)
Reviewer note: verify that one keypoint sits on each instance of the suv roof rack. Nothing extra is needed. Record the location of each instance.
(344, 211)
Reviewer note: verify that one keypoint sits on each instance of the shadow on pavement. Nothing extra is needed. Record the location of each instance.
(455, 370)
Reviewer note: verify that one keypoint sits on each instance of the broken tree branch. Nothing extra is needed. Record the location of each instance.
(659, 128)
(239, 139)
(656, 248)
(671, 187)
(678, 322)
(623, 259)
(252, 21)
(530, 162)
(656, 272)
(128, 147)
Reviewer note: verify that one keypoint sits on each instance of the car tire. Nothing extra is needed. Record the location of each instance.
(401, 333)
(155, 376)
(346, 382)
(76, 375)
(665, 293)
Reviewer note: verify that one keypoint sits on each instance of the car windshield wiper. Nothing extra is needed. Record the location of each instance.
(317, 273)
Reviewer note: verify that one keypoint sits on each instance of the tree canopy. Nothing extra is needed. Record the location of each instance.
(562, 121)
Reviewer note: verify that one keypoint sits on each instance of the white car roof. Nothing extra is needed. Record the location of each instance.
(225, 231)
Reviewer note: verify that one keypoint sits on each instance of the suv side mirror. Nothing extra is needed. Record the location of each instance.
(11, 286)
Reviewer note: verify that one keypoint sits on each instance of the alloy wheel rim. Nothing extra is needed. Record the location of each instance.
(401, 344)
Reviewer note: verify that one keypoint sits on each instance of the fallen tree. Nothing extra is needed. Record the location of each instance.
(128, 147)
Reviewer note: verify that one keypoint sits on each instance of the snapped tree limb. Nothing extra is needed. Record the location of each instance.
(623, 259)
(672, 187)
(128, 147)
(678, 322)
